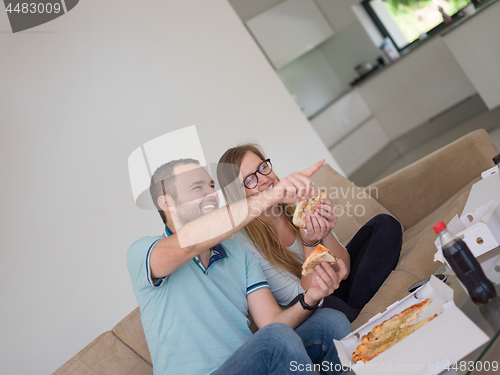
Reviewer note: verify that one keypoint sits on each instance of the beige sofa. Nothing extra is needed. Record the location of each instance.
(432, 189)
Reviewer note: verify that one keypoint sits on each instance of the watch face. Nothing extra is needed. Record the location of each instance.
(417, 285)
(321, 302)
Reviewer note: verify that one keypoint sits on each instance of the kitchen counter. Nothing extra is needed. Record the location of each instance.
(485, 5)
(411, 50)
(440, 30)
(475, 47)
(434, 76)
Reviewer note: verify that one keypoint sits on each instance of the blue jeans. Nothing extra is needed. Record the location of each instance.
(277, 349)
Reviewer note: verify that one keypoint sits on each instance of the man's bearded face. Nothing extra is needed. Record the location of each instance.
(195, 194)
(189, 211)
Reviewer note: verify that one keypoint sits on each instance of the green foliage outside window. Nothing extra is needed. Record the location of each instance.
(415, 17)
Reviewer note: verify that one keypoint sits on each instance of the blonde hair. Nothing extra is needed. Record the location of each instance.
(261, 231)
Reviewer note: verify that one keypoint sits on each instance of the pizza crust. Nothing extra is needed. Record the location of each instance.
(390, 332)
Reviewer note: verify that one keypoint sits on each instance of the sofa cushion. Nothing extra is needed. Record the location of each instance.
(130, 331)
(414, 192)
(106, 355)
(390, 292)
(353, 205)
(417, 257)
(418, 249)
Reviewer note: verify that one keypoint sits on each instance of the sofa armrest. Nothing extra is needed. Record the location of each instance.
(414, 192)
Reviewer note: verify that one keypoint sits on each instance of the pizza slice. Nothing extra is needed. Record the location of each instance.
(304, 207)
(398, 321)
(390, 332)
(320, 254)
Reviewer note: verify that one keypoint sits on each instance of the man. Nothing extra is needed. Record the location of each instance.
(195, 286)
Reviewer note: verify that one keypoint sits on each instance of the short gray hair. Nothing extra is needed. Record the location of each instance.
(162, 182)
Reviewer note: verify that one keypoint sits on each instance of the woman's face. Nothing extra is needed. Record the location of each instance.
(249, 164)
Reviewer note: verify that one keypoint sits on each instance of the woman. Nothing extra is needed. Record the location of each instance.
(282, 248)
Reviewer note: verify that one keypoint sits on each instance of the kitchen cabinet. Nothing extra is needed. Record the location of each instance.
(416, 88)
(342, 117)
(476, 48)
(347, 127)
(436, 81)
(289, 29)
(390, 104)
(359, 146)
(408, 93)
(311, 81)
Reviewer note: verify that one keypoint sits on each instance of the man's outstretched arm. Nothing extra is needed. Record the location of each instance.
(171, 252)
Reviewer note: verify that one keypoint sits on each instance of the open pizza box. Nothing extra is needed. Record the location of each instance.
(479, 223)
(483, 195)
(430, 349)
(490, 172)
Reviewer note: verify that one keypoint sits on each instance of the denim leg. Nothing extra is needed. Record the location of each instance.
(318, 333)
(273, 350)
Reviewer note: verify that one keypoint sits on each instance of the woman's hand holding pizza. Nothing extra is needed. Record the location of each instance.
(317, 228)
(320, 222)
(325, 281)
(326, 210)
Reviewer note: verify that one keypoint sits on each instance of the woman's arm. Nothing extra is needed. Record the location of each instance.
(264, 309)
(320, 225)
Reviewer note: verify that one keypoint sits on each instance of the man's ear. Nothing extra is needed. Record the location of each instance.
(165, 203)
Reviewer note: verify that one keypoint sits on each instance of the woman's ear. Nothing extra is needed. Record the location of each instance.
(163, 203)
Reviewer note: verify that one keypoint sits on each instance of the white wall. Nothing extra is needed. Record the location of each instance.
(77, 95)
(249, 9)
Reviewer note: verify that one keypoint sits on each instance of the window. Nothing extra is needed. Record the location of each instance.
(404, 21)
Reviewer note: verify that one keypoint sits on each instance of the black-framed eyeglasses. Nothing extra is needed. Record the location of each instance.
(252, 180)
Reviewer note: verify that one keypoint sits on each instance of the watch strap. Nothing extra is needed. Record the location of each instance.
(305, 306)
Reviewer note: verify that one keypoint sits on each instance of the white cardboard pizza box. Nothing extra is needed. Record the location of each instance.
(482, 196)
(491, 268)
(481, 236)
(429, 350)
(489, 172)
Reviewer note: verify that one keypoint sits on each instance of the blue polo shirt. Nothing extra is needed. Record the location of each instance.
(195, 318)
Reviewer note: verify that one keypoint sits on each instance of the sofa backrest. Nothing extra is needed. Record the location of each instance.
(414, 192)
(354, 206)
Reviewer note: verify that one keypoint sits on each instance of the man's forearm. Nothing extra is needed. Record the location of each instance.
(213, 228)
(205, 232)
(295, 315)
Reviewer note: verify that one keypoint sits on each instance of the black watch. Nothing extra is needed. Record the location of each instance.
(305, 306)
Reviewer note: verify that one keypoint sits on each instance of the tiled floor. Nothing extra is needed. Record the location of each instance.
(489, 120)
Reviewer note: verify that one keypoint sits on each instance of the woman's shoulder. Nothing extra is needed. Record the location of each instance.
(296, 247)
